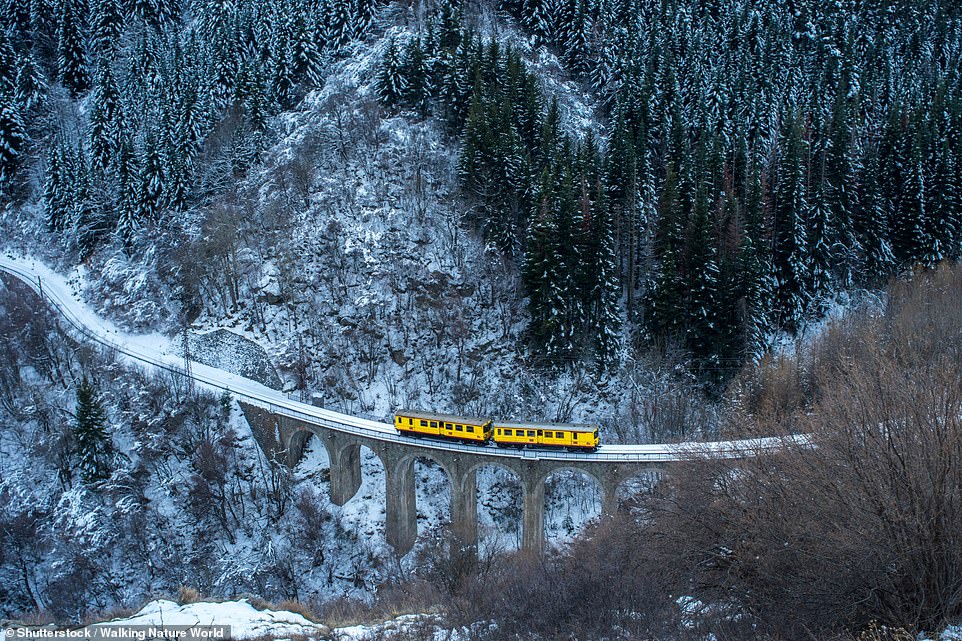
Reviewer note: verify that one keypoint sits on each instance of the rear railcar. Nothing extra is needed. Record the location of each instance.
(448, 426)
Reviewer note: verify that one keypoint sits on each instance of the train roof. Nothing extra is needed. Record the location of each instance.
(566, 427)
(448, 418)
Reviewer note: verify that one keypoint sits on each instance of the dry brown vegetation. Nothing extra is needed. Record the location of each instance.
(865, 525)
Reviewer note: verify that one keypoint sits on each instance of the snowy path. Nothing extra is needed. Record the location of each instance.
(158, 351)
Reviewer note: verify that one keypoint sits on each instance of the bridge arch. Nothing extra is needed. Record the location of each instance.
(499, 522)
(563, 517)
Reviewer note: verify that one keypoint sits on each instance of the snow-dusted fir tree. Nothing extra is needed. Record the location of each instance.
(13, 135)
(340, 23)
(56, 188)
(391, 83)
(127, 180)
(31, 88)
(871, 220)
(106, 118)
(790, 259)
(72, 58)
(606, 289)
(94, 448)
(543, 274)
(414, 70)
(151, 191)
(106, 26)
(8, 71)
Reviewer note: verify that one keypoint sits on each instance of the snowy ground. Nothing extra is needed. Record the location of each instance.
(248, 622)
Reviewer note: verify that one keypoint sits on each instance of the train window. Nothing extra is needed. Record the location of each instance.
(575, 436)
(507, 432)
(410, 421)
(448, 426)
(424, 423)
(559, 434)
(434, 423)
(459, 428)
(470, 428)
(530, 432)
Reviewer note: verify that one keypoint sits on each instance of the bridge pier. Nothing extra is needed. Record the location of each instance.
(401, 517)
(532, 519)
(464, 508)
(345, 469)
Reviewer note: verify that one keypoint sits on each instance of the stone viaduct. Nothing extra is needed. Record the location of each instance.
(283, 438)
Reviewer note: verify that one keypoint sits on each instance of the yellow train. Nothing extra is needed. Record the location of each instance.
(481, 431)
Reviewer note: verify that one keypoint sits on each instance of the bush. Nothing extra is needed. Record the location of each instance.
(866, 524)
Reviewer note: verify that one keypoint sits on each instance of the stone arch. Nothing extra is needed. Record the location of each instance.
(573, 507)
(635, 483)
(500, 490)
(296, 442)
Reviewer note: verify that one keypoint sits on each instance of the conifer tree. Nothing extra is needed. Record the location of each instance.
(340, 24)
(31, 87)
(543, 274)
(151, 191)
(94, 448)
(56, 195)
(871, 223)
(8, 70)
(789, 210)
(106, 118)
(414, 71)
(363, 12)
(606, 290)
(71, 47)
(107, 25)
(127, 186)
(391, 83)
(13, 135)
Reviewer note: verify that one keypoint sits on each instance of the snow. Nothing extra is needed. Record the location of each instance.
(161, 352)
(246, 622)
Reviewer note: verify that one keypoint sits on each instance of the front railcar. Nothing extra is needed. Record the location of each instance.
(571, 436)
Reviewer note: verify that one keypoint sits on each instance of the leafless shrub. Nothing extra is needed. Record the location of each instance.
(864, 525)
(187, 595)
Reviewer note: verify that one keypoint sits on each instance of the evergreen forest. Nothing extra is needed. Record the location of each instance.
(752, 159)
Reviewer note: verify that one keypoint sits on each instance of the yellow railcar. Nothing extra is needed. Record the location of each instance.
(475, 430)
(568, 435)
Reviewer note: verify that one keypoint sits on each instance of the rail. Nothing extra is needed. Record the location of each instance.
(56, 294)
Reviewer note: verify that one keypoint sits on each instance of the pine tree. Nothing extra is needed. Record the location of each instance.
(71, 47)
(106, 118)
(151, 191)
(606, 290)
(94, 448)
(30, 85)
(871, 223)
(414, 71)
(790, 259)
(107, 25)
(56, 195)
(391, 83)
(127, 185)
(364, 12)
(8, 70)
(340, 24)
(543, 275)
(13, 136)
